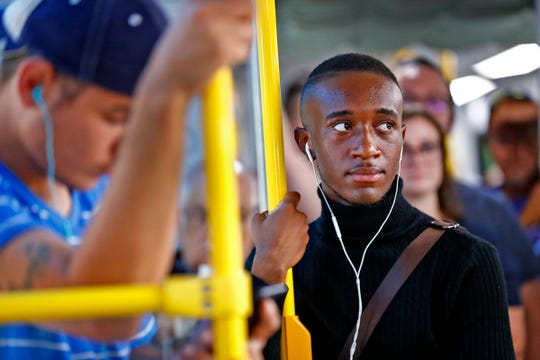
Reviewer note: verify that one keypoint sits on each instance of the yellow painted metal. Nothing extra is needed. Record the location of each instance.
(293, 330)
(271, 113)
(179, 295)
(448, 64)
(224, 215)
(78, 303)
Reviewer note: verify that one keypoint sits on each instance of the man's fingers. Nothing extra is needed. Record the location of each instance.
(292, 197)
(258, 218)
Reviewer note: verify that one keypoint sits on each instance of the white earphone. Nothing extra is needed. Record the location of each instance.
(338, 234)
(308, 153)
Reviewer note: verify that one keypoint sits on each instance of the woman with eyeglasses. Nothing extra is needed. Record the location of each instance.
(428, 185)
(427, 182)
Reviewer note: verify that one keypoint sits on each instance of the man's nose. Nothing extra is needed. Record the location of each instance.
(364, 145)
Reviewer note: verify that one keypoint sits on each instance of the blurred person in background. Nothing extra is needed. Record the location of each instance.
(513, 142)
(192, 256)
(423, 84)
(291, 100)
(193, 221)
(296, 164)
(428, 186)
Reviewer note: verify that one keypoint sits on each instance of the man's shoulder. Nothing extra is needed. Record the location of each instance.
(462, 241)
(21, 210)
(17, 212)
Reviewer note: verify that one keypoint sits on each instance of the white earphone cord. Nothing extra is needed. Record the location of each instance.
(338, 233)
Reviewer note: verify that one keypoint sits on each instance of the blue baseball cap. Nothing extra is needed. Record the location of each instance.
(102, 42)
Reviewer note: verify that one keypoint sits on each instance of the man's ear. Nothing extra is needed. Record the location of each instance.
(403, 131)
(301, 136)
(34, 72)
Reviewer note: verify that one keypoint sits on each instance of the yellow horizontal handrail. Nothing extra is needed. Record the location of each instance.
(183, 295)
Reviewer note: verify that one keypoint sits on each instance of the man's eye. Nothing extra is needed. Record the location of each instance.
(342, 126)
(387, 125)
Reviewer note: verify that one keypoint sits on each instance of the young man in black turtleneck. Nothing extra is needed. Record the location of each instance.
(453, 305)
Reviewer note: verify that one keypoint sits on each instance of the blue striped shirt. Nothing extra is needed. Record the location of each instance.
(21, 211)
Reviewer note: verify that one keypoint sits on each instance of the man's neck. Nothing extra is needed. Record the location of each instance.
(16, 158)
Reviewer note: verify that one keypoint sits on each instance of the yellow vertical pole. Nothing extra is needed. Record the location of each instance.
(219, 133)
(296, 341)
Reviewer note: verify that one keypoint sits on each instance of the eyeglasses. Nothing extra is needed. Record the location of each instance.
(431, 105)
(425, 149)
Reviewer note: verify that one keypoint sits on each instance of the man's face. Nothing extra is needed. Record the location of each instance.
(423, 85)
(513, 141)
(87, 132)
(354, 129)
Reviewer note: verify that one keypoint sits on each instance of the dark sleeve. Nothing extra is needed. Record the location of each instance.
(258, 283)
(272, 351)
(480, 326)
(249, 260)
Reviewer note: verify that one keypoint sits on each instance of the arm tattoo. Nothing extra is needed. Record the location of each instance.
(38, 256)
(46, 265)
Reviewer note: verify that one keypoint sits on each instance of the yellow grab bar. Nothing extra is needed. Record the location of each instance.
(180, 295)
(219, 133)
(296, 341)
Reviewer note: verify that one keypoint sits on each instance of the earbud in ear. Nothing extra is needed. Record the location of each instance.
(308, 153)
(37, 95)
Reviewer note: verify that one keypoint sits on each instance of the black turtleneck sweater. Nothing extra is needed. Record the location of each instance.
(453, 306)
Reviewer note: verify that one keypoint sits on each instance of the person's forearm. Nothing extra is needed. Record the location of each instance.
(135, 222)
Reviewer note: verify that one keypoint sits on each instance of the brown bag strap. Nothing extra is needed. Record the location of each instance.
(398, 274)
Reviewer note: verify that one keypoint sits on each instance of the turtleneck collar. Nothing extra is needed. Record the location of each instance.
(359, 223)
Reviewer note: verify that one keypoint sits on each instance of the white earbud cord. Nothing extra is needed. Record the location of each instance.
(338, 233)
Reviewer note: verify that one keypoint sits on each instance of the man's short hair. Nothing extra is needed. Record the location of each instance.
(101, 42)
(344, 63)
(349, 62)
(506, 95)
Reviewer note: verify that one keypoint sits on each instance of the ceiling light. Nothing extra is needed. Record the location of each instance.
(469, 88)
(519, 60)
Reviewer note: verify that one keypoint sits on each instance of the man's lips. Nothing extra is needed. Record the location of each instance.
(366, 174)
